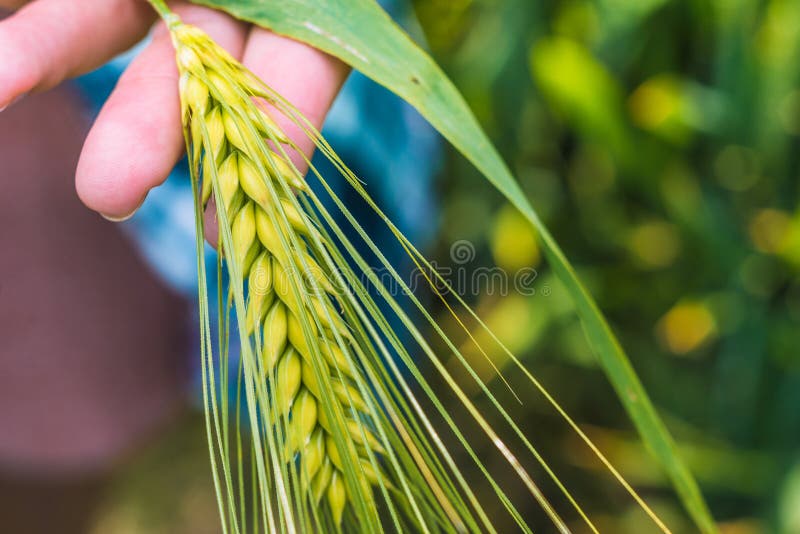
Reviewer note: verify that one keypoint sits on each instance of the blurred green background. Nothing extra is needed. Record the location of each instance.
(659, 141)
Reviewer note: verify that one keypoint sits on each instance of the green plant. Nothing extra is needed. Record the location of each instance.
(320, 378)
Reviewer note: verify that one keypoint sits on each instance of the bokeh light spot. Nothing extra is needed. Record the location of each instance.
(513, 241)
(686, 327)
(655, 244)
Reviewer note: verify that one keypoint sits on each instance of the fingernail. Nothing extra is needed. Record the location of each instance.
(124, 217)
(14, 101)
(117, 219)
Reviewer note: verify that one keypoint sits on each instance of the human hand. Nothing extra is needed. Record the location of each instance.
(137, 137)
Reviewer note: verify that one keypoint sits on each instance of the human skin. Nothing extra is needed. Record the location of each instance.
(137, 138)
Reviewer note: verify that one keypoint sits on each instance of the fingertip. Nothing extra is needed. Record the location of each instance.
(124, 156)
(19, 72)
(113, 190)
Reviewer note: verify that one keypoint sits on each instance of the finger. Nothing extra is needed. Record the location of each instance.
(306, 77)
(137, 138)
(49, 40)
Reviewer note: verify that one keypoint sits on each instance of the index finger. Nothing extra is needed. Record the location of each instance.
(50, 40)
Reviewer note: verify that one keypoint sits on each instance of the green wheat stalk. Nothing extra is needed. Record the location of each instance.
(339, 442)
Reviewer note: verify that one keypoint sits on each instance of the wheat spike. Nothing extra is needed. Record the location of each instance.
(223, 125)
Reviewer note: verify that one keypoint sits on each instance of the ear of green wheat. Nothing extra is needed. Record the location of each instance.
(337, 438)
